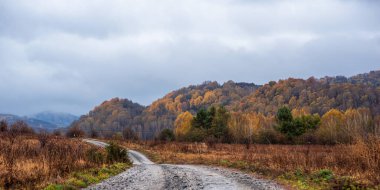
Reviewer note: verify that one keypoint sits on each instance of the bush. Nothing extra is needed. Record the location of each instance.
(196, 135)
(3, 126)
(75, 132)
(117, 136)
(20, 127)
(325, 174)
(116, 153)
(95, 156)
(129, 134)
(166, 135)
(43, 137)
(270, 136)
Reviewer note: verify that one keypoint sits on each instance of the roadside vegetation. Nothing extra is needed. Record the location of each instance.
(31, 160)
(353, 166)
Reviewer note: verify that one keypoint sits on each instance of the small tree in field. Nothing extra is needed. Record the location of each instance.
(3, 126)
(43, 138)
(20, 127)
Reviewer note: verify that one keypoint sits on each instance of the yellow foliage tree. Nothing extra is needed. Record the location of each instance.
(182, 124)
(244, 126)
(300, 112)
(209, 97)
(331, 127)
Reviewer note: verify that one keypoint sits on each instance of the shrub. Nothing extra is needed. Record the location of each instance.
(43, 138)
(116, 153)
(57, 133)
(95, 156)
(94, 133)
(3, 126)
(166, 135)
(117, 136)
(20, 127)
(196, 135)
(75, 132)
(129, 134)
(325, 174)
(270, 136)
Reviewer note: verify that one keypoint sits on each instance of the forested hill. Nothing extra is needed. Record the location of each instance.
(116, 114)
(314, 95)
(111, 116)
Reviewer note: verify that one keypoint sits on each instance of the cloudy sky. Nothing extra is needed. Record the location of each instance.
(70, 55)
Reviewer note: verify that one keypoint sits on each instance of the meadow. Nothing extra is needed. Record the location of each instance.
(30, 160)
(355, 166)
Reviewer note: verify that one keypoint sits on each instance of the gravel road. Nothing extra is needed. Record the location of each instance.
(147, 175)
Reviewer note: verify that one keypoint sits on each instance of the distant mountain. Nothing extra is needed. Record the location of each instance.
(34, 123)
(58, 119)
(44, 120)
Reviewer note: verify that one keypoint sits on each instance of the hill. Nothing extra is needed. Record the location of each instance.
(314, 95)
(58, 119)
(111, 116)
(34, 123)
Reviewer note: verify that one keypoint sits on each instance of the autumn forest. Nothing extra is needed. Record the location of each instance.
(329, 110)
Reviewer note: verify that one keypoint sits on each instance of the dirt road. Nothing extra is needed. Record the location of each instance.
(147, 175)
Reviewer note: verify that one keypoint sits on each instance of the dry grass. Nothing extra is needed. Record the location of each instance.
(32, 162)
(361, 161)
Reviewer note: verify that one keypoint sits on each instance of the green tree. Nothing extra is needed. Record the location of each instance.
(203, 118)
(293, 127)
(219, 122)
(284, 115)
(209, 124)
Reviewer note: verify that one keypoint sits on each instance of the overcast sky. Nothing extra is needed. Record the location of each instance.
(71, 55)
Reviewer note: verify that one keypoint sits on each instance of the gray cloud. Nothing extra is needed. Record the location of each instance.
(65, 55)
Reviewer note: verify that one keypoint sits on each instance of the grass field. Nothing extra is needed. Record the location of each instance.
(35, 161)
(296, 166)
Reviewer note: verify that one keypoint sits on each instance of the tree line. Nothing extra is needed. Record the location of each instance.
(288, 126)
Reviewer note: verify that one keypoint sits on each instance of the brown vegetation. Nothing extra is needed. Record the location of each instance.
(360, 161)
(30, 161)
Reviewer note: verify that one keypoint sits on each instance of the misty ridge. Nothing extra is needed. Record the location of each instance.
(42, 121)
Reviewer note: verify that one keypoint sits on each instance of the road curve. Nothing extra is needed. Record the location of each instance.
(147, 175)
(95, 142)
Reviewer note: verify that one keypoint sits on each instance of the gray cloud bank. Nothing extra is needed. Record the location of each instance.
(70, 55)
